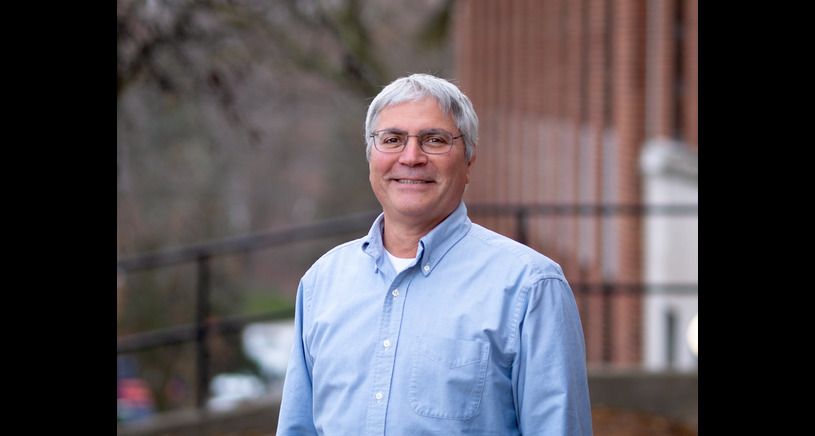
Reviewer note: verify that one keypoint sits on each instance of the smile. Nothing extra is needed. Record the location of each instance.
(411, 182)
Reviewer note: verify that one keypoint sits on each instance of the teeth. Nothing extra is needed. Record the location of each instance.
(410, 182)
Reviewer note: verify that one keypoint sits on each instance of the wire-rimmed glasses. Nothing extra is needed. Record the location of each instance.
(431, 141)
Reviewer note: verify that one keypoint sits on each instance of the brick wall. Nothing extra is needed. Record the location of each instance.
(567, 92)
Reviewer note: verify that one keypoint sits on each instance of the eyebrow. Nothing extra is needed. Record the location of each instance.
(421, 132)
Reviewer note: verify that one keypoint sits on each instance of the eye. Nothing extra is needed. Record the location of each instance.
(435, 140)
(390, 139)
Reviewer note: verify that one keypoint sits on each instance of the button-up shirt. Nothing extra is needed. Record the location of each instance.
(479, 335)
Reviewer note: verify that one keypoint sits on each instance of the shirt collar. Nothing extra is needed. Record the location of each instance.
(432, 246)
(372, 244)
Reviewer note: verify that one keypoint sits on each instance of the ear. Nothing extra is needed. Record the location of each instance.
(472, 159)
(469, 165)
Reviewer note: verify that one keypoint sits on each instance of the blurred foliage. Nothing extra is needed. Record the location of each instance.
(238, 116)
(260, 301)
(224, 37)
(436, 30)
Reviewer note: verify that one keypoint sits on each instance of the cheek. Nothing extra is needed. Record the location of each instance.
(373, 166)
(372, 176)
(377, 168)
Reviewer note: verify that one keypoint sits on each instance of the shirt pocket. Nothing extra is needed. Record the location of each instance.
(447, 377)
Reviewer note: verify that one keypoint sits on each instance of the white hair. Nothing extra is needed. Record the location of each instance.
(416, 87)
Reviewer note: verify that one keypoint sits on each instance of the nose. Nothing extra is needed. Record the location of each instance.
(412, 154)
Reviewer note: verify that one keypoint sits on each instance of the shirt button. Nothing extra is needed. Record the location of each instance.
(378, 395)
(395, 292)
(387, 343)
(426, 268)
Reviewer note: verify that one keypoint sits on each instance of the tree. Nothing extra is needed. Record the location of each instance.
(240, 116)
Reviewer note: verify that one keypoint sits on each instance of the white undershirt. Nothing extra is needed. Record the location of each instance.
(399, 263)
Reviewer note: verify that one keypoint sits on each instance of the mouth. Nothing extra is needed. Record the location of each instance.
(411, 181)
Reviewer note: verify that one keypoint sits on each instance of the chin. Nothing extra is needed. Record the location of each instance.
(425, 211)
(415, 211)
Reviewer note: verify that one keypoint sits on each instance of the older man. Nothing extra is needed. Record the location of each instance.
(431, 324)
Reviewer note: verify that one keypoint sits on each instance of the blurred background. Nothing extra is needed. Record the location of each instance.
(240, 160)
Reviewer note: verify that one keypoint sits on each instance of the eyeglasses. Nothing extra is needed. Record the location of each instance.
(434, 141)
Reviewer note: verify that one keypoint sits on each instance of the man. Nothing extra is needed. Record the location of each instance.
(431, 324)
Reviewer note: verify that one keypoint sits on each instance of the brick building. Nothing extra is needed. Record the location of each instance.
(593, 102)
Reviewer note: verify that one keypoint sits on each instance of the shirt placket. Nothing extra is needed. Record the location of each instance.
(385, 355)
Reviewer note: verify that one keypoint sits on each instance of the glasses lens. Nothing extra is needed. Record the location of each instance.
(433, 142)
(390, 141)
(436, 142)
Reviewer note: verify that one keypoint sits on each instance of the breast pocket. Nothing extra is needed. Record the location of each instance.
(447, 377)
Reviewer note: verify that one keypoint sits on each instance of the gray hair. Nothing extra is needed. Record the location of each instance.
(417, 86)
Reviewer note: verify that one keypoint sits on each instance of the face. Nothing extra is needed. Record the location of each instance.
(413, 186)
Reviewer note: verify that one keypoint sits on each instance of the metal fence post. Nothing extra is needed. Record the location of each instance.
(201, 319)
(521, 225)
(607, 292)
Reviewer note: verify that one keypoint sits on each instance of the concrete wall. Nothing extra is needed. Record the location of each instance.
(674, 395)
(252, 418)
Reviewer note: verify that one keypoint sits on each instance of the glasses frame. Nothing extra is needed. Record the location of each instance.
(418, 136)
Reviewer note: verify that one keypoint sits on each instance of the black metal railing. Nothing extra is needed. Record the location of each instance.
(522, 212)
(201, 254)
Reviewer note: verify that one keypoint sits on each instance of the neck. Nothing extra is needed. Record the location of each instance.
(401, 237)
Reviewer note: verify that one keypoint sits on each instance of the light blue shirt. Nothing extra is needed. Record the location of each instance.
(479, 336)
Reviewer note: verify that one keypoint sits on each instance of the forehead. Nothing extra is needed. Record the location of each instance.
(414, 115)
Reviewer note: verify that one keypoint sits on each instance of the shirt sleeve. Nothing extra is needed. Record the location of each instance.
(549, 377)
(296, 407)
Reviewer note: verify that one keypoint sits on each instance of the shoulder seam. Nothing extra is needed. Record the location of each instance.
(523, 302)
